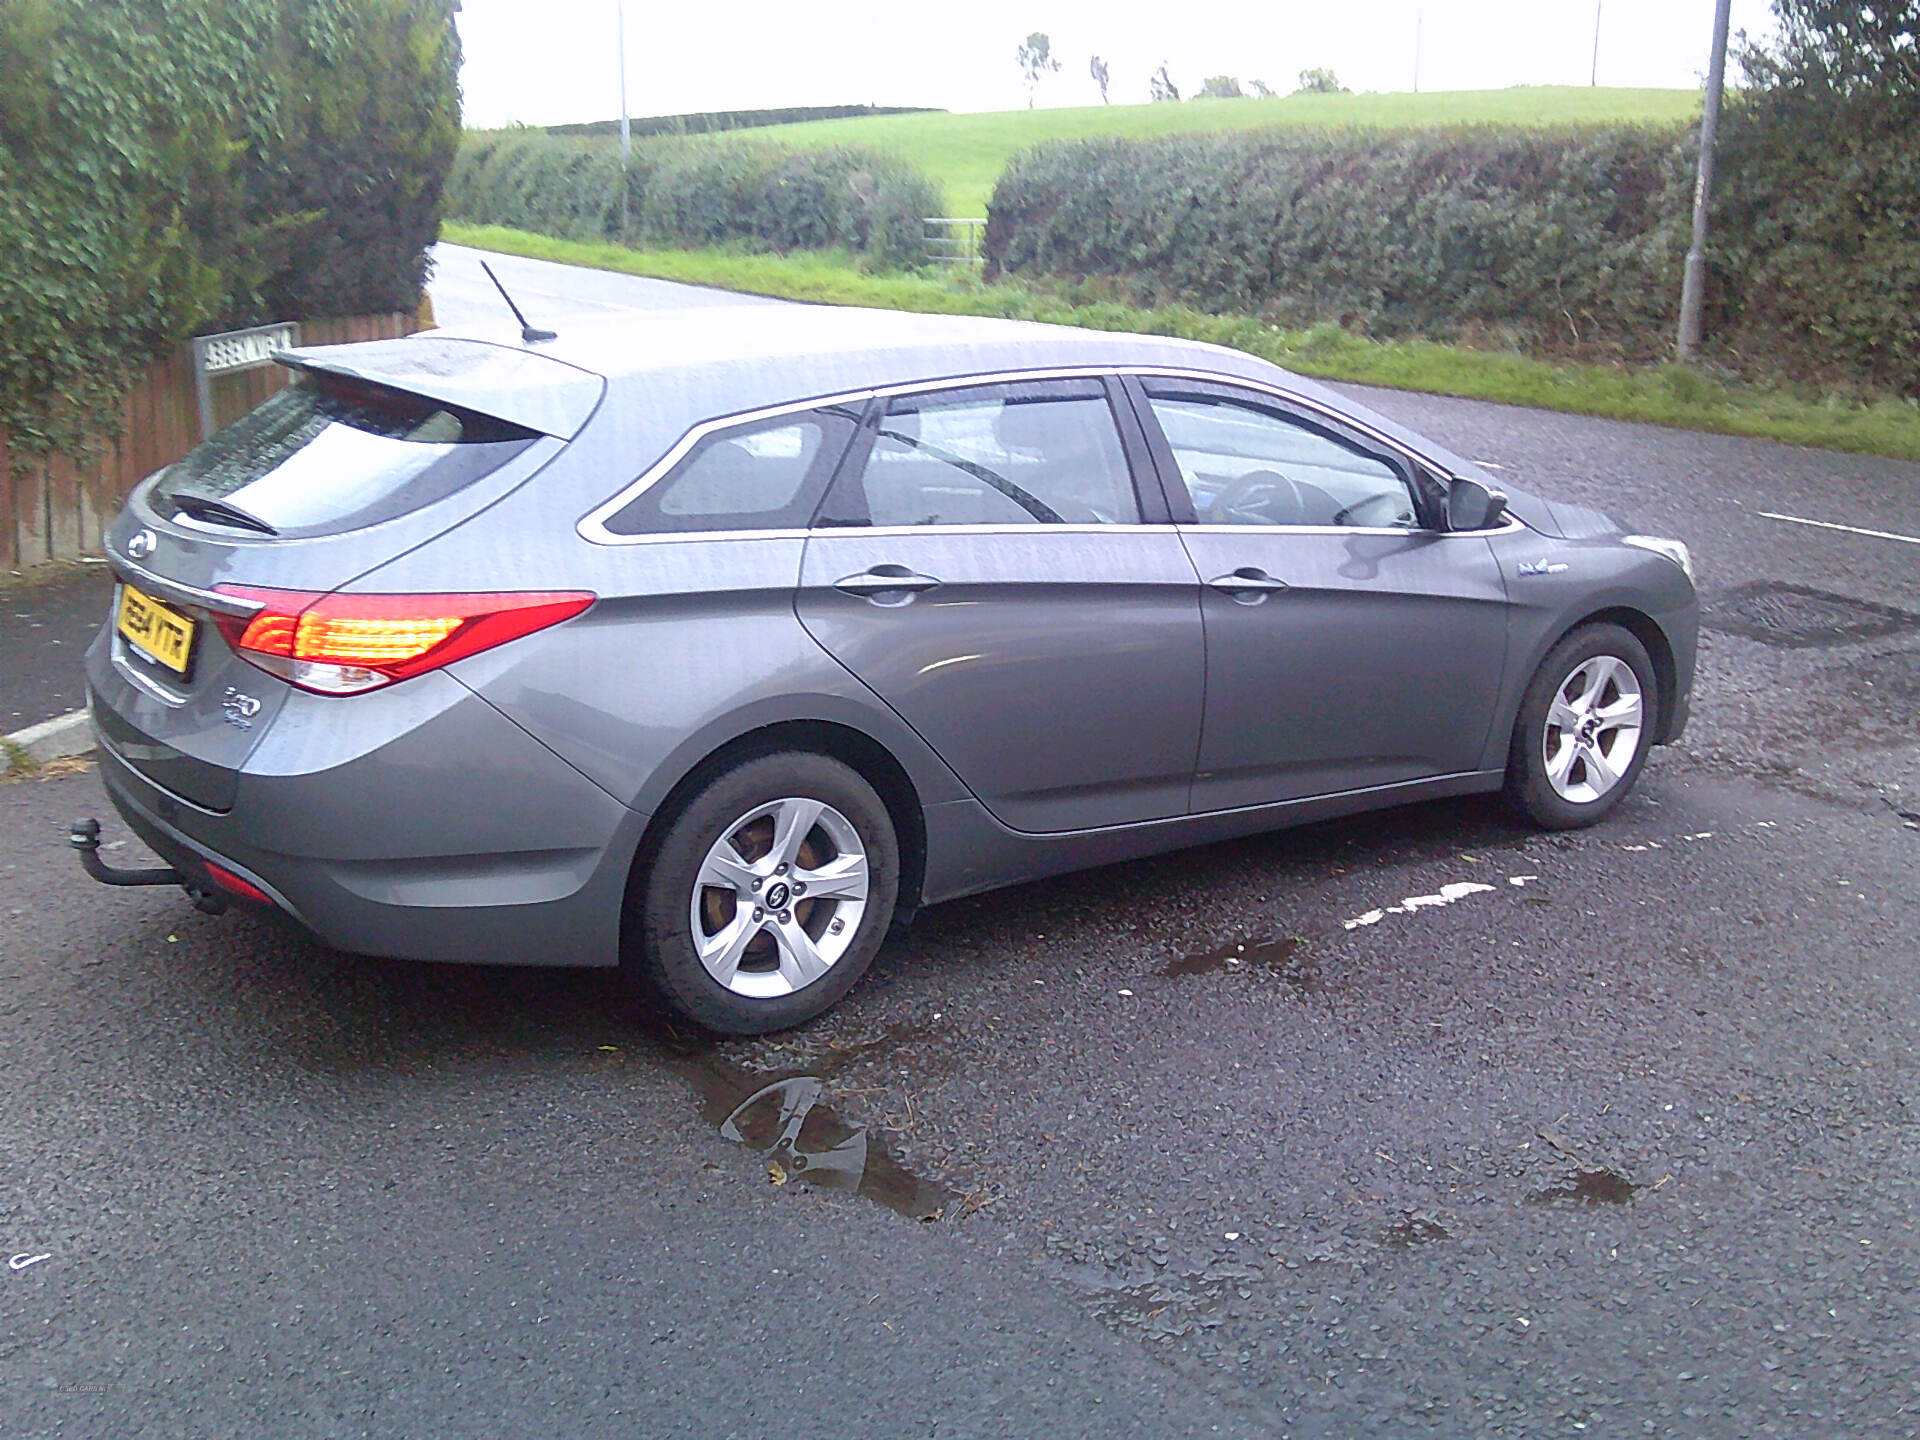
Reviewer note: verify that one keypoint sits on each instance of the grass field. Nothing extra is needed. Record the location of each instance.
(964, 154)
(1661, 395)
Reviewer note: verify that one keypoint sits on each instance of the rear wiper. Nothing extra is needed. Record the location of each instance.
(219, 512)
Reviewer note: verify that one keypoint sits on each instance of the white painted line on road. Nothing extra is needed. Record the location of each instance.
(1448, 894)
(1850, 529)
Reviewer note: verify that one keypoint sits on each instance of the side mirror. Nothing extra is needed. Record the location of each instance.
(1472, 506)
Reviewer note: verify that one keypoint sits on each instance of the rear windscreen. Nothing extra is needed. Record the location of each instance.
(330, 454)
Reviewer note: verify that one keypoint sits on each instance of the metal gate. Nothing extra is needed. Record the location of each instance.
(953, 241)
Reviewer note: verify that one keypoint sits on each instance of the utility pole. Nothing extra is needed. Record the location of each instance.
(1593, 81)
(1693, 284)
(1419, 18)
(626, 132)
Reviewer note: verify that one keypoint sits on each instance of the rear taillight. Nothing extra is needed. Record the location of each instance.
(343, 644)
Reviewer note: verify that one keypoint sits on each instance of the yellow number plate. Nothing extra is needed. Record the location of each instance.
(157, 631)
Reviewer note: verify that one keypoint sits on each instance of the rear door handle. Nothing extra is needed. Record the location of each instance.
(1249, 584)
(884, 580)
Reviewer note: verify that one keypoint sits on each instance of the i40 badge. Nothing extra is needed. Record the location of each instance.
(239, 709)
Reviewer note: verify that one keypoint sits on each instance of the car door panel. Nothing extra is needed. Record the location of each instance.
(1059, 673)
(1379, 662)
(1057, 666)
(1349, 644)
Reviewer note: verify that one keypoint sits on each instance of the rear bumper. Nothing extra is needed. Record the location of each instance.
(463, 840)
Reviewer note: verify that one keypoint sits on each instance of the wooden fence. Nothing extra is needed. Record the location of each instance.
(57, 510)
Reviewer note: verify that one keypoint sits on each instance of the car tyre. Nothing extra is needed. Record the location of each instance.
(1585, 725)
(768, 895)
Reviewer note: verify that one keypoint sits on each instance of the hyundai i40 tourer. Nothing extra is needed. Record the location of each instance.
(712, 643)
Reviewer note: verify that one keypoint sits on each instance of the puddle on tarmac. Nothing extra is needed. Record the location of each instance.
(1589, 1187)
(1414, 1230)
(1278, 955)
(781, 1115)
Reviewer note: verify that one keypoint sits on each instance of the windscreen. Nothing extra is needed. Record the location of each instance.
(330, 454)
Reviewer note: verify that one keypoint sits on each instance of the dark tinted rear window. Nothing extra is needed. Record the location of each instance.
(765, 474)
(329, 454)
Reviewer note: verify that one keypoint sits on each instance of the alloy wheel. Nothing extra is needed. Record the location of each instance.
(1593, 729)
(779, 897)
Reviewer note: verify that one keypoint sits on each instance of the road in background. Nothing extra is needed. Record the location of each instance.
(1225, 1142)
(551, 294)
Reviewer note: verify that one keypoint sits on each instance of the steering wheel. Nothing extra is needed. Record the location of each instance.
(1246, 501)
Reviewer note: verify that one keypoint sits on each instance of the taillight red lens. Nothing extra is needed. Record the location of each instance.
(343, 644)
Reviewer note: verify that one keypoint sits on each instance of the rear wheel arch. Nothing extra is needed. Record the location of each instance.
(867, 757)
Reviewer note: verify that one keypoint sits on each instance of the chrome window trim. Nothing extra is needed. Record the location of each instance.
(1506, 527)
(1288, 397)
(592, 526)
(825, 532)
(1037, 527)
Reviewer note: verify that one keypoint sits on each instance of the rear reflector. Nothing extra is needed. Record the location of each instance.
(235, 885)
(343, 644)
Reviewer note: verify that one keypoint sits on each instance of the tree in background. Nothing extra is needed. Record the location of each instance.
(1841, 47)
(1161, 86)
(1036, 62)
(1098, 69)
(1319, 81)
(1262, 89)
(1821, 202)
(1220, 87)
(364, 150)
(169, 169)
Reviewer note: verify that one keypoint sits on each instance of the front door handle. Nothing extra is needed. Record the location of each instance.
(1249, 585)
(885, 580)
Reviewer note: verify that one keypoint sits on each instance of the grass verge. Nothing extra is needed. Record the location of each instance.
(1660, 395)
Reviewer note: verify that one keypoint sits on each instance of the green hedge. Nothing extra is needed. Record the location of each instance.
(1819, 227)
(1558, 243)
(170, 167)
(1545, 240)
(694, 194)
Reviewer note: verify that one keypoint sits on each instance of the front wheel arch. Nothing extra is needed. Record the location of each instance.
(1637, 623)
(1543, 787)
(1666, 675)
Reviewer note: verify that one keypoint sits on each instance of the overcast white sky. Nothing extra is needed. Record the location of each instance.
(543, 62)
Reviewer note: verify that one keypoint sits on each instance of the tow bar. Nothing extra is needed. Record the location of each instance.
(85, 838)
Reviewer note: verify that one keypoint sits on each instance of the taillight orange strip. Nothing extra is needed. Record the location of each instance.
(392, 635)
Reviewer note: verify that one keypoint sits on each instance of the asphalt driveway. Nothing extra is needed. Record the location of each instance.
(1614, 1133)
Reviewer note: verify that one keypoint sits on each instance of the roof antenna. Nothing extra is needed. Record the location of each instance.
(528, 335)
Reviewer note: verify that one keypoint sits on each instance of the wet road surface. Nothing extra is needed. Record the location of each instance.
(47, 618)
(1621, 1139)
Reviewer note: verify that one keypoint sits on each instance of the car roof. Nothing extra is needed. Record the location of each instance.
(685, 366)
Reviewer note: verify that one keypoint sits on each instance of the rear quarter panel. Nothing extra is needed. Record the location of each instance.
(693, 641)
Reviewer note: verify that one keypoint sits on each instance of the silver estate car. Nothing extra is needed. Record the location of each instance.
(714, 643)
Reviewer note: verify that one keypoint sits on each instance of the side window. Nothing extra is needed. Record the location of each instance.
(1039, 453)
(1246, 463)
(758, 475)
